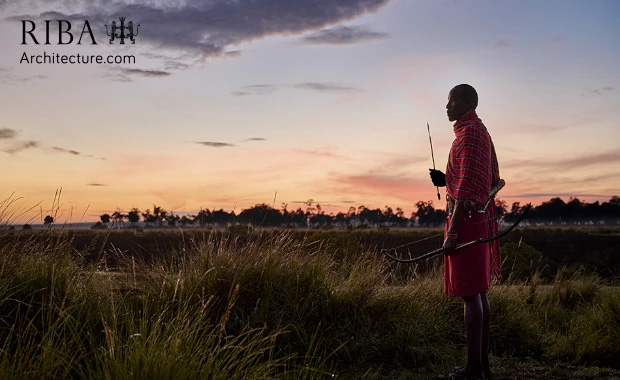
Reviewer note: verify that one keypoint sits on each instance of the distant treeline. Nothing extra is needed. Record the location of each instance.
(552, 212)
(555, 211)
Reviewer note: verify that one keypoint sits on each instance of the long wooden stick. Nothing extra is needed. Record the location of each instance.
(428, 127)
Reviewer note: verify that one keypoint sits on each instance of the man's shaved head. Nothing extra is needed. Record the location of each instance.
(461, 99)
(468, 93)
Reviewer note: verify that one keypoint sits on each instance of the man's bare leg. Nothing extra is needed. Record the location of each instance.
(474, 316)
(486, 318)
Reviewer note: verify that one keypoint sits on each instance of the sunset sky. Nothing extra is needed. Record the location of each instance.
(230, 101)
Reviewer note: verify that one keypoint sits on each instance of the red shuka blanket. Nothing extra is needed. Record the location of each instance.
(471, 172)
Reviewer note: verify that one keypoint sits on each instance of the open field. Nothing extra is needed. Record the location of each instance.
(526, 250)
(278, 305)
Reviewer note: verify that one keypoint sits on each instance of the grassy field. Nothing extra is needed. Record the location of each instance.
(277, 305)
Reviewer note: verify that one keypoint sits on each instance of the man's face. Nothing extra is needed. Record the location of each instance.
(457, 104)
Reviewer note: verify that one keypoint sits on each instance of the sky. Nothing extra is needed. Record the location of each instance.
(230, 103)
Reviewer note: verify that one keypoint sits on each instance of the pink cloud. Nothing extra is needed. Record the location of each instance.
(391, 187)
(319, 153)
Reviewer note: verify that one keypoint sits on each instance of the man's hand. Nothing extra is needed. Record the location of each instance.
(449, 244)
(439, 179)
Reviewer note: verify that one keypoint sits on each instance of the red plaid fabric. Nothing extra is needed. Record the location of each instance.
(473, 170)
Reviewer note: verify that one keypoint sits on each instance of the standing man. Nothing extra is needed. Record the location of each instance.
(471, 172)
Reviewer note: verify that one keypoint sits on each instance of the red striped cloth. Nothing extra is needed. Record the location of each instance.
(473, 170)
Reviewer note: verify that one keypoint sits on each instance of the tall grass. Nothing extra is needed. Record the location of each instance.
(269, 306)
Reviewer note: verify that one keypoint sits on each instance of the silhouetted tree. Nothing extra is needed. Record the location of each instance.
(400, 217)
(388, 213)
(552, 210)
(516, 208)
(369, 216)
(172, 219)
(204, 217)
(515, 211)
(298, 217)
(394, 218)
(222, 217)
(148, 218)
(261, 215)
(351, 213)
(320, 217)
(185, 220)
(574, 209)
(340, 218)
(105, 219)
(133, 216)
(609, 212)
(284, 211)
(159, 214)
(48, 220)
(117, 218)
(501, 207)
(427, 215)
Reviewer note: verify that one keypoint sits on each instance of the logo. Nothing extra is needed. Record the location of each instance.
(122, 28)
(67, 25)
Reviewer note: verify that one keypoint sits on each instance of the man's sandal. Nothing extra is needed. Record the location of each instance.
(462, 374)
(488, 375)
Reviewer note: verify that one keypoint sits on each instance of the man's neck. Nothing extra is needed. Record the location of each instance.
(467, 115)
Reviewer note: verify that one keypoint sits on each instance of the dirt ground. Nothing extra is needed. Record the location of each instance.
(503, 369)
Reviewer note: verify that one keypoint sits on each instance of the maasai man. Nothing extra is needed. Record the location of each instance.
(471, 172)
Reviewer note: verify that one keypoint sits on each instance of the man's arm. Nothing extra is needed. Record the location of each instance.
(460, 212)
